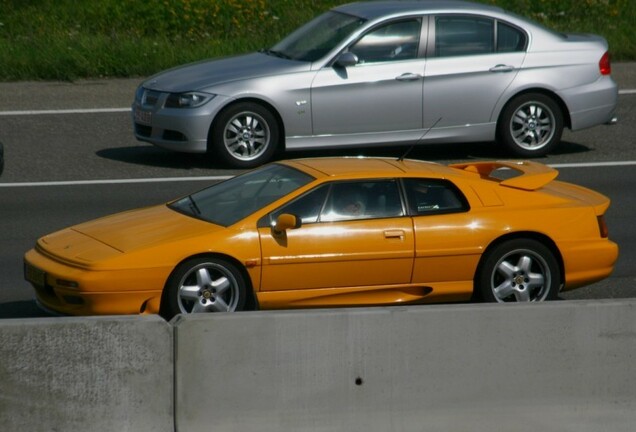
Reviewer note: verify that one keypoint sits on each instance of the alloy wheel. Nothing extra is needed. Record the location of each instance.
(532, 126)
(246, 136)
(208, 287)
(521, 275)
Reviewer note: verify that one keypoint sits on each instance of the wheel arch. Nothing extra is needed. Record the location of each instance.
(567, 121)
(262, 103)
(251, 301)
(521, 235)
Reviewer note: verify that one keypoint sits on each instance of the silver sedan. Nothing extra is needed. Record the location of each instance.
(385, 73)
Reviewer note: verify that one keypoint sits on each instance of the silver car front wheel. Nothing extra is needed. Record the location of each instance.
(204, 285)
(521, 270)
(245, 135)
(531, 125)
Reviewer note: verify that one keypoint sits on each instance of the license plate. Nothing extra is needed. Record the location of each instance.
(143, 117)
(34, 275)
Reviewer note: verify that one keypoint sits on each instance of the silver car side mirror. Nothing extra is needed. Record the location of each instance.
(347, 59)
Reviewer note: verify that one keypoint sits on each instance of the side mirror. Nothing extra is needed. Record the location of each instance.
(347, 59)
(286, 221)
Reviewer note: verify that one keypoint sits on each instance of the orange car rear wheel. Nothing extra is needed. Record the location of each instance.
(204, 284)
(520, 270)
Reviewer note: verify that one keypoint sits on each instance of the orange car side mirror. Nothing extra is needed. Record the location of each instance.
(286, 221)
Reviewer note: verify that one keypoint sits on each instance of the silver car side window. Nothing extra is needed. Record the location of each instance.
(510, 39)
(398, 40)
(459, 35)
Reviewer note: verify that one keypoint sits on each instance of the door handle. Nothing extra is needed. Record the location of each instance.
(502, 68)
(408, 77)
(394, 234)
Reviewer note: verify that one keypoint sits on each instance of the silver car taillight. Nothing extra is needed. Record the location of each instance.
(604, 65)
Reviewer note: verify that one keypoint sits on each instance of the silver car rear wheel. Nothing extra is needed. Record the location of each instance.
(520, 270)
(204, 285)
(245, 135)
(531, 125)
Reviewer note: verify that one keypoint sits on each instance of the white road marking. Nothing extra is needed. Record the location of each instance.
(219, 178)
(593, 164)
(114, 181)
(64, 111)
(128, 109)
(209, 178)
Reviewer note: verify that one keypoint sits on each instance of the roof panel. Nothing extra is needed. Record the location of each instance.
(375, 9)
(357, 167)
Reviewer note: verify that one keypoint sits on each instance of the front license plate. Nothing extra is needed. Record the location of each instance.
(144, 117)
(34, 275)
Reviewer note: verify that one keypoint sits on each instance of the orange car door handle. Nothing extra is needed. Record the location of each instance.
(399, 234)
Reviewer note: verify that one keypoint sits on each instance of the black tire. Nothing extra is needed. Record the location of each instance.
(204, 284)
(530, 125)
(245, 135)
(520, 270)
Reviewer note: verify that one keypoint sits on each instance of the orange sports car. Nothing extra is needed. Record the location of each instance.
(329, 232)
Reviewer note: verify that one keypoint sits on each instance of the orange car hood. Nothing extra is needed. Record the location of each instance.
(72, 247)
(137, 229)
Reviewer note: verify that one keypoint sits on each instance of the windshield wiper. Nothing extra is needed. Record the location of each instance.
(275, 53)
(194, 208)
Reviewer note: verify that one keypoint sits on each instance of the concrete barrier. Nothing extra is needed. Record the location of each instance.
(92, 374)
(561, 366)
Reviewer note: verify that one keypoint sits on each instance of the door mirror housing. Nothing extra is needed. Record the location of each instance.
(347, 59)
(286, 221)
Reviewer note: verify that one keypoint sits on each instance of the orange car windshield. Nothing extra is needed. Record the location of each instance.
(228, 202)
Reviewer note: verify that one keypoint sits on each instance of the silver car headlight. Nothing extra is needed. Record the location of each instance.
(147, 98)
(188, 100)
(139, 95)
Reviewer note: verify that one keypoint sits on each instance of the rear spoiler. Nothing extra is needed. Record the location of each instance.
(532, 175)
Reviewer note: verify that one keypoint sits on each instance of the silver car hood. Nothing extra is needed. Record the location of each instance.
(208, 73)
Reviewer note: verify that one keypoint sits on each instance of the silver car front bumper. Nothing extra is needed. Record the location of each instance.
(178, 129)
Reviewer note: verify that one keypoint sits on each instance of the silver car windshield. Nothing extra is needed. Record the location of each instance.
(318, 37)
(228, 202)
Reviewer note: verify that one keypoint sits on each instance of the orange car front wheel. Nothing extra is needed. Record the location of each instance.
(520, 270)
(204, 284)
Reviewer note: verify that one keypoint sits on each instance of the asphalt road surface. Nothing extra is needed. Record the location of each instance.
(70, 156)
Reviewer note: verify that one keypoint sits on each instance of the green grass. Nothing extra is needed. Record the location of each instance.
(71, 39)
